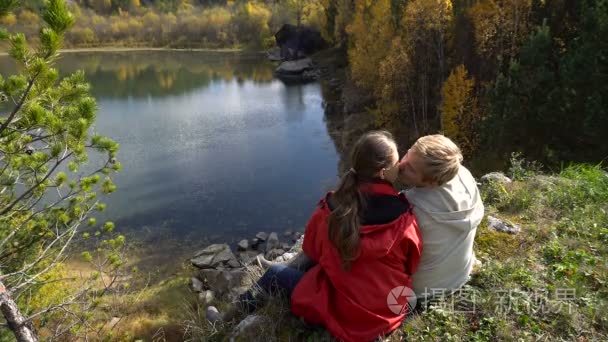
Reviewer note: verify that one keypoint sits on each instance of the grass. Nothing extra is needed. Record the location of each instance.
(546, 283)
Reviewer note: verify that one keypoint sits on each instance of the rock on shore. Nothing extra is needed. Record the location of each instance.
(220, 271)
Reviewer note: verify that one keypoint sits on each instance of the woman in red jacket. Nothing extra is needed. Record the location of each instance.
(365, 244)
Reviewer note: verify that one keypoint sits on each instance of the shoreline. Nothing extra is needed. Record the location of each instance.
(130, 49)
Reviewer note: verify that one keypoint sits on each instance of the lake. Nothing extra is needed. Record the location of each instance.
(213, 147)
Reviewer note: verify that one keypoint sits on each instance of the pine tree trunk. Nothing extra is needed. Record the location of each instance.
(15, 320)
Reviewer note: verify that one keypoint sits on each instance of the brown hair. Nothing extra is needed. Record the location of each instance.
(371, 153)
(441, 158)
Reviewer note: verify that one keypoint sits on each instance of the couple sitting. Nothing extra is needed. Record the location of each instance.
(366, 245)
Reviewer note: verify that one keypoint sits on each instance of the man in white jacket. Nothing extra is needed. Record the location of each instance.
(448, 208)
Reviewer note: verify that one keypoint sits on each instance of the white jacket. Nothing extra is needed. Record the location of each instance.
(448, 217)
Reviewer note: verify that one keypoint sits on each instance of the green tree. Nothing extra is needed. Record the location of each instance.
(338, 15)
(44, 198)
(525, 100)
(552, 100)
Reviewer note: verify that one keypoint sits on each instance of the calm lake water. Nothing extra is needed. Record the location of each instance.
(213, 147)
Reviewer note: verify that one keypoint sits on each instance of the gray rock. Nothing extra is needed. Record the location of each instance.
(233, 263)
(243, 245)
(248, 329)
(294, 67)
(203, 261)
(206, 297)
(274, 253)
(224, 256)
(213, 256)
(197, 285)
(503, 226)
(239, 276)
(222, 281)
(498, 177)
(273, 242)
(213, 315)
(211, 249)
(261, 236)
(254, 243)
(208, 276)
(247, 257)
(274, 54)
(288, 233)
(285, 246)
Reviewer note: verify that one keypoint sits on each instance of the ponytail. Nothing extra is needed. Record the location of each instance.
(343, 225)
(372, 152)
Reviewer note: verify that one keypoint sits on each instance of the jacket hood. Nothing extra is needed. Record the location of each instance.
(456, 204)
(376, 240)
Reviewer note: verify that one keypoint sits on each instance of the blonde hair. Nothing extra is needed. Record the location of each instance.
(440, 156)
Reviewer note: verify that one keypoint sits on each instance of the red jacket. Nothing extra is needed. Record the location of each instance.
(352, 305)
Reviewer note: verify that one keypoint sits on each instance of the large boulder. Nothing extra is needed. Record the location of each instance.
(222, 281)
(213, 256)
(298, 41)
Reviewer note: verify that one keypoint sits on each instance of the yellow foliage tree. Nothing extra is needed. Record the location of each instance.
(500, 27)
(411, 74)
(459, 111)
(392, 93)
(428, 15)
(371, 33)
(429, 22)
(8, 20)
(252, 20)
(134, 4)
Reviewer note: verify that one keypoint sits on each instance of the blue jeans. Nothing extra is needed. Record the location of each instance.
(278, 279)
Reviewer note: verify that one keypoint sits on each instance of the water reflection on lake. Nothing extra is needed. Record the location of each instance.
(211, 144)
